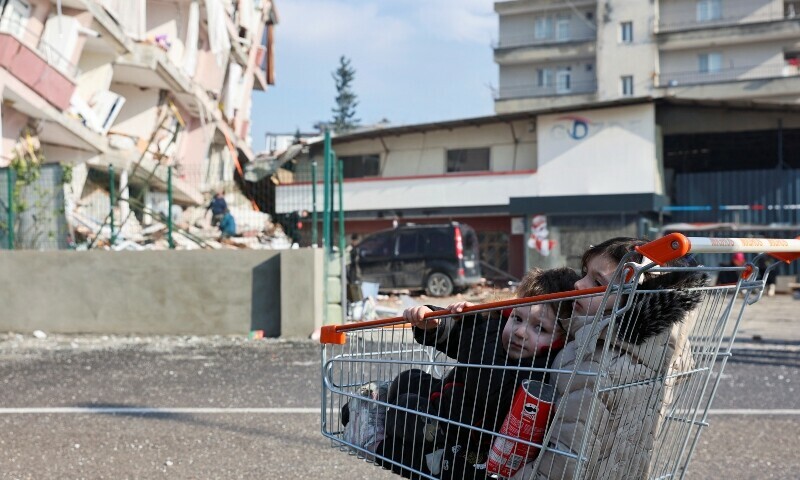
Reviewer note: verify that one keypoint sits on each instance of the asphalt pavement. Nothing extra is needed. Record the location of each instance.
(91, 407)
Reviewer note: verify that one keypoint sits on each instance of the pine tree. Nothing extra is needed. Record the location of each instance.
(345, 111)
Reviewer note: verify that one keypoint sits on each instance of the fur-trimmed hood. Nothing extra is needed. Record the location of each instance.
(660, 302)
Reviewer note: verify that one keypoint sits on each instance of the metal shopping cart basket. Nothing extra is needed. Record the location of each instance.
(620, 399)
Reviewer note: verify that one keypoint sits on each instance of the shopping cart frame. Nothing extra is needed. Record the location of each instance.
(621, 292)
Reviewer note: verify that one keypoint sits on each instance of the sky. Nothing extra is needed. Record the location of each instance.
(416, 61)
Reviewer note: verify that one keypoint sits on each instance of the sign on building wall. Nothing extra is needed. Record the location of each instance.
(593, 152)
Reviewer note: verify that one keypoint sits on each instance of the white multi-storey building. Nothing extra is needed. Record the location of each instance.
(570, 52)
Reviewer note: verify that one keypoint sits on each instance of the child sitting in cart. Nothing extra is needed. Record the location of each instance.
(646, 343)
(525, 338)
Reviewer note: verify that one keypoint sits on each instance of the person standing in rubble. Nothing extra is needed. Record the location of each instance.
(292, 223)
(218, 207)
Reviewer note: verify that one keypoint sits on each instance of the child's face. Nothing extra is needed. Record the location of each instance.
(599, 270)
(531, 331)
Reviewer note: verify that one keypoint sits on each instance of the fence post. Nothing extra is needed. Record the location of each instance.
(11, 180)
(314, 203)
(326, 213)
(111, 195)
(343, 273)
(169, 209)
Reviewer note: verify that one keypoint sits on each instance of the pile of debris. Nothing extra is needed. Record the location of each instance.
(192, 228)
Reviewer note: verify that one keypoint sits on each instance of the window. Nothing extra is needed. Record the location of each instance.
(710, 62)
(543, 28)
(590, 16)
(562, 29)
(360, 166)
(626, 32)
(589, 67)
(380, 245)
(14, 18)
(564, 80)
(468, 160)
(544, 77)
(709, 10)
(407, 243)
(626, 84)
(440, 242)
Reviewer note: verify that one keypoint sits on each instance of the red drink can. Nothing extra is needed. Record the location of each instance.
(527, 420)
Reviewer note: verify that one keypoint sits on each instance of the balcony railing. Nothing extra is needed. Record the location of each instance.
(771, 14)
(34, 41)
(533, 91)
(733, 74)
(530, 40)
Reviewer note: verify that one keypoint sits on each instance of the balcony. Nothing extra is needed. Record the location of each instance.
(530, 40)
(744, 33)
(738, 13)
(557, 90)
(727, 75)
(40, 68)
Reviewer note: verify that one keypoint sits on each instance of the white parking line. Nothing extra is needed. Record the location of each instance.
(747, 411)
(153, 411)
(315, 410)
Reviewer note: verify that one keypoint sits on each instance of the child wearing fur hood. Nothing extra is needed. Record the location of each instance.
(646, 343)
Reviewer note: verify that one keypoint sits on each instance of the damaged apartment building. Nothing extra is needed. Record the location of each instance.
(102, 97)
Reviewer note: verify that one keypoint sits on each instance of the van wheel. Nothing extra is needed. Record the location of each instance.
(438, 285)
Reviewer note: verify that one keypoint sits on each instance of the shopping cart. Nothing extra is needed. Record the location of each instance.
(636, 412)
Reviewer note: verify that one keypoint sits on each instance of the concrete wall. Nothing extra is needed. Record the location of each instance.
(616, 59)
(162, 292)
(606, 151)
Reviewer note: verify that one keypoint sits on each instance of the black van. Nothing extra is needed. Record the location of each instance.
(439, 258)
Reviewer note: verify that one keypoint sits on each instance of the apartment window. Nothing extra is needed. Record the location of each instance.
(543, 28)
(626, 32)
(564, 80)
(710, 62)
(544, 77)
(562, 29)
(468, 160)
(589, 67)
(709, 10)
(14, 18)
(360, 166)
(626, 84)
(590, 16)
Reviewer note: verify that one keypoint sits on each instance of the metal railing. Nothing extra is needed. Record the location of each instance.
(554, 90)
(33, 40)
(771, 14)
(531, 40)
(732, 74)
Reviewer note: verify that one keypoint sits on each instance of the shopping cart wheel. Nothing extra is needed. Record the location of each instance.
(438, 284)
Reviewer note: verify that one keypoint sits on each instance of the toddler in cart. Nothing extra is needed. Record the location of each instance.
(519, 341)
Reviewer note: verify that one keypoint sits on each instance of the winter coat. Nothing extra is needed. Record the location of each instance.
(647, 342)
(473, 395)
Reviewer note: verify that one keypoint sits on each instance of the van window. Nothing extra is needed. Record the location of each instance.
(407, 243)
(380, 245)
(470, 239)
(440, 242)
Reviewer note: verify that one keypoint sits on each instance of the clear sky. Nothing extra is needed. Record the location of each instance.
(416, 61)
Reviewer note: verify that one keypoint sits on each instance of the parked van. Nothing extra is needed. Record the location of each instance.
(440, 259)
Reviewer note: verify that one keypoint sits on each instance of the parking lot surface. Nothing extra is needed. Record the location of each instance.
(91, 407)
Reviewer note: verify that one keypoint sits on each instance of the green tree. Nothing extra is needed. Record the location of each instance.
(346, 101)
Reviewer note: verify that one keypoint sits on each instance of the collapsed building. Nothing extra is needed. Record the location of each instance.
(102, 98)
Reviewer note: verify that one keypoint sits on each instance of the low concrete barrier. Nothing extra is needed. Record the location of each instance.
(201, 292)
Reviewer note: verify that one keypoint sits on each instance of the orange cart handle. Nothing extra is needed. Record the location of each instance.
(335, 334)
(676, 245)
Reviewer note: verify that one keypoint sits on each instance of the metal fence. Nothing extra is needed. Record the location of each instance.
(32, 215)
(264, 204)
